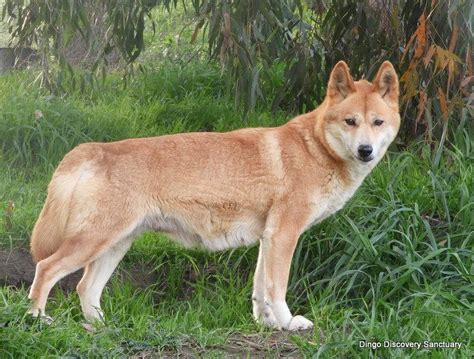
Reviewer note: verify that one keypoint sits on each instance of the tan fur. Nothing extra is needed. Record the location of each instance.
(214, 190)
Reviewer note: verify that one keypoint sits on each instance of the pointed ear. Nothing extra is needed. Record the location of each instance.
(340, 83)
(386, 84)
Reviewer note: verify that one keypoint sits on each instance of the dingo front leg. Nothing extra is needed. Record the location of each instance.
(271, 279)
(262, 312)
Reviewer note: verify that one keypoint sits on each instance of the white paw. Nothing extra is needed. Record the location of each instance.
(265, 316)
(35, 313)
(299, 323)
(94, 315)
(90, 327)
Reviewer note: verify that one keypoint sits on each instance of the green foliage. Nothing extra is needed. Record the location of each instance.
(51, 25)
(429, 42)
(247, 37)
(252, 40)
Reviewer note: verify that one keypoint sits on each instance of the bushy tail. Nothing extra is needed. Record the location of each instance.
(49, 231)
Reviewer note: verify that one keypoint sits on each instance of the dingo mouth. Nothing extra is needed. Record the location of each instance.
(365, 159)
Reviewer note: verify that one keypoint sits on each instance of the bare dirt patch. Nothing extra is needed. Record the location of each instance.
(237, 345)
(18, 269)
(256, 345)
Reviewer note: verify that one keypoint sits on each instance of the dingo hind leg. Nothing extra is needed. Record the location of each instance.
(96, 276)
(98, 236)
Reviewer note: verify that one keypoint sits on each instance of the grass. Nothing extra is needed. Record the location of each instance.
(395, 264)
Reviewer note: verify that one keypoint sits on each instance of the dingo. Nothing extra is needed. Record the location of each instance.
(215, 190)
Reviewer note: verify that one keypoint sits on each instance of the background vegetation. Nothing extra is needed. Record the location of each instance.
(395, 264)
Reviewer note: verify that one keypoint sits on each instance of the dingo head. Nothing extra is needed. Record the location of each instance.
(361, 119)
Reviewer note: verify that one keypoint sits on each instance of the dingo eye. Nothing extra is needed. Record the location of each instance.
(350, 121)
(378, 122)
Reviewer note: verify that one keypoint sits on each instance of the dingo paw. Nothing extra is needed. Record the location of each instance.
(299, 323)
(36, 313)
(265, 317)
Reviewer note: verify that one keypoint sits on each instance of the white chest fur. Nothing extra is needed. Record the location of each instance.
(331, 198)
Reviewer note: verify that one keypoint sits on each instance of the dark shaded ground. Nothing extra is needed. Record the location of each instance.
(18, 269)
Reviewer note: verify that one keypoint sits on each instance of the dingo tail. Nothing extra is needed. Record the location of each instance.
(50, 228)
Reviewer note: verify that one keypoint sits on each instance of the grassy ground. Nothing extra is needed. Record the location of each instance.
(396, 264)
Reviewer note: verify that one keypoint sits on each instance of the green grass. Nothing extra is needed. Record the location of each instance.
(395, 264)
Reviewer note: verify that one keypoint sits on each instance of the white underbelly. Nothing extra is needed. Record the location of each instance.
(241, 232)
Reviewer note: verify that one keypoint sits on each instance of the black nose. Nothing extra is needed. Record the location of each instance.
(365, 151)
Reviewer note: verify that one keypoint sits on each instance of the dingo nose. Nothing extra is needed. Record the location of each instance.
(365, 151)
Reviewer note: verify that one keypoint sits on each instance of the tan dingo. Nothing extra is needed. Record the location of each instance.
(215, 190)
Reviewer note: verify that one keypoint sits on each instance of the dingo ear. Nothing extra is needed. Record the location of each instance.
(340, 83)
(386, 84)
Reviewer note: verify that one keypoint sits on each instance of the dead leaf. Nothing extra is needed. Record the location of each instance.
(420, 37)
(410, 81)
(454, 38)
(421, 107)
(429, 55)
(443, 103)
